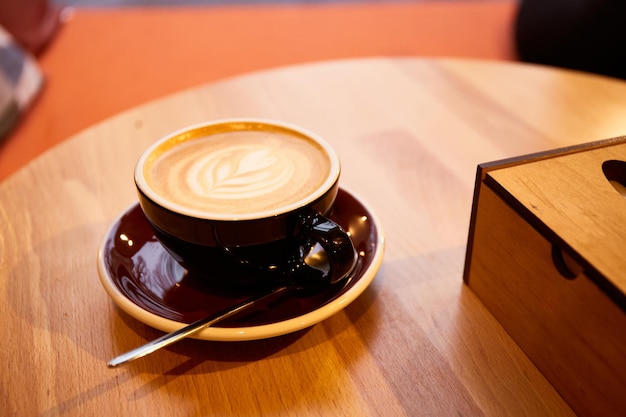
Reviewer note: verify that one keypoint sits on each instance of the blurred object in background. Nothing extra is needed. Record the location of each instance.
(584, 35)
(20, 82)
(32, 23)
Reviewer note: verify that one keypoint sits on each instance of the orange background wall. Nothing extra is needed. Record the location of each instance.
(104, 61)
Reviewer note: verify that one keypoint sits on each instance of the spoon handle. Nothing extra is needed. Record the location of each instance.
(190, 329)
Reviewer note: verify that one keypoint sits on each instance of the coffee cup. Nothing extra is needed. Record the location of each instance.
(244, 202)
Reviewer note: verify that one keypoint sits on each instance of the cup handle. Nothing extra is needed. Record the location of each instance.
(340, 252)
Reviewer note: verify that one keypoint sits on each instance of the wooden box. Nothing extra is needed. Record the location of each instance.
(547, 256)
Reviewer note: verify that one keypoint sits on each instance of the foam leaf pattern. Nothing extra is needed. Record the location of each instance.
(239, 172)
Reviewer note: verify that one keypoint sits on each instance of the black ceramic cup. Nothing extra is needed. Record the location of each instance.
(244, 202)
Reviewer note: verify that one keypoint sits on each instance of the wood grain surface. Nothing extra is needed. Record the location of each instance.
(410, 133)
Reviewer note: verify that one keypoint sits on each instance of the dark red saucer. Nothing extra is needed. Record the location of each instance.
(146, 282)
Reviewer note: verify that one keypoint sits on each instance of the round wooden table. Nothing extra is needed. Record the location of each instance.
(410, 133)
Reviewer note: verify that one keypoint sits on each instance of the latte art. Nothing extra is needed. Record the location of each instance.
(238, 172)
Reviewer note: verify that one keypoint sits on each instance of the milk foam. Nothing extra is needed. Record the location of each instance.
(239, 172)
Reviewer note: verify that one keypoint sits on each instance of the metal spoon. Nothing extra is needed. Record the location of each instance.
(314, 259)
(192, 328)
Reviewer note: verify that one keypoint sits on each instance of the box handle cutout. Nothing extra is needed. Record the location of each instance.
(615, 172)
(567, 267)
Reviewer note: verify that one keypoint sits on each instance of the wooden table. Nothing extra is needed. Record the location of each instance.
(410, 133)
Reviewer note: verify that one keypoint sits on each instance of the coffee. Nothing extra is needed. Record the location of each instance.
(248, 169)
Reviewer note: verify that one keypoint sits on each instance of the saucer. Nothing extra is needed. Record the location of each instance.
(147, 283)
